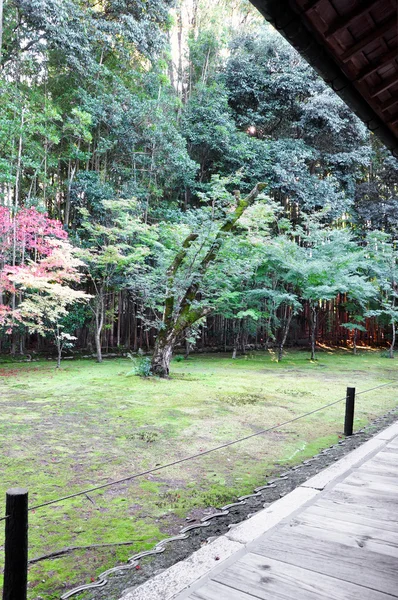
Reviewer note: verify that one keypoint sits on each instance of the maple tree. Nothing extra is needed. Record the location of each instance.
(47, 297)
(37, 271)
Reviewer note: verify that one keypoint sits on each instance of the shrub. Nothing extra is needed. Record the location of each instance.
(141, 364)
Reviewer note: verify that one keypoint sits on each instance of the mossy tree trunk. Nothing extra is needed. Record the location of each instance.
(287, 321)
(391, 352)
(99, 321)
(163, 353)
(179, 316)
(59, 352)
(314, 324)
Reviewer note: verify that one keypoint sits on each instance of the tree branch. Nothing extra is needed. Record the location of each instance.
(171, 273)
(216, 245)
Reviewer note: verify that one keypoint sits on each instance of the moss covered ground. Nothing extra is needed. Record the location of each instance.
(85, 424)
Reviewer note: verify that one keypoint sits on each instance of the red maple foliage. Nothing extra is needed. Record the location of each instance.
(27, 234)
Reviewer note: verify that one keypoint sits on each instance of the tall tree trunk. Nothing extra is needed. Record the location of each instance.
(314, 323)
(98, 348)
(355, 340)
(187, 348)
(244, 337)
(71, 176)
(391, 353)
(119, 319)
(180, 70)
(99, 323)
(135, 328)
(13, 349)
(1, 27)
(286, 328)
(236, 342)
(59, 355)
(112, 322)
(58, 343)
(163, 353)
(15, 210)
(21, 344)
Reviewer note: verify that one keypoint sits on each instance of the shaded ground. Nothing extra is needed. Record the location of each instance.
(63, 431)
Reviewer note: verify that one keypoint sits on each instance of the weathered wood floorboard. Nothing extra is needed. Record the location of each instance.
(216, 591)
(270, 579)
(362, 515)
(374, 468)
(393, 444)
(377, 482)
(356, 495)
(327, 527)
(356, 565)
(388, 457)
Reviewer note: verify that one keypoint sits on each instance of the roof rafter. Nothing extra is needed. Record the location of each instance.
(385, 85)
(343, 22)
(368, 39)
(310, 5)
(373, 68)
(389, 104)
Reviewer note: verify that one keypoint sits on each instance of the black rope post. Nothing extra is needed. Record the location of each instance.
(349, 411)
(16, 545)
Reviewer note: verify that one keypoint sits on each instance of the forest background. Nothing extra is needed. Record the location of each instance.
(133, 137)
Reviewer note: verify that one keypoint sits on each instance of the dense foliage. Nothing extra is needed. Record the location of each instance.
(130, 132)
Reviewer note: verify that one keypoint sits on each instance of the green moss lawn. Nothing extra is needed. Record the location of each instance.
(86, 424)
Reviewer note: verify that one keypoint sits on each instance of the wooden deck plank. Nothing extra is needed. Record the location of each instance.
(327, 527)
(393, 443)
(380, 492)
(385, 460)
(352, 494)
(392, 447)
(217, 591)
(269, 579)
(385, 463)
(355, 565)
(389, 457)
(355, 499)
(377, 482)
(376, 468)
(355, 514)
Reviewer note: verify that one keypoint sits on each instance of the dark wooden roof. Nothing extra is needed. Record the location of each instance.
(353, 45)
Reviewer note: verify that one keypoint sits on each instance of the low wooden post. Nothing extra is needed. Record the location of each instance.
(16, 545)
(349, 411)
